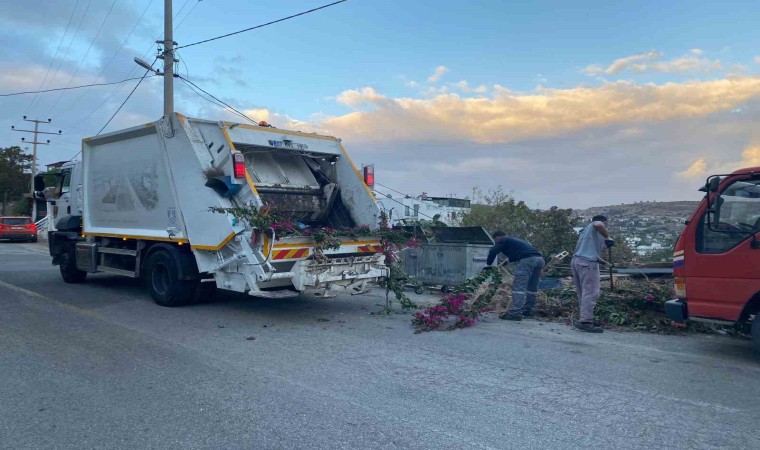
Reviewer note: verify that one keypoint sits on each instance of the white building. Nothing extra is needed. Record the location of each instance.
(410, 209)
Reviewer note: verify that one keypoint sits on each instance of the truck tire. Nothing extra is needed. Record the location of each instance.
(164, 285)
(756, 334)
(68, 266)
(205, 292)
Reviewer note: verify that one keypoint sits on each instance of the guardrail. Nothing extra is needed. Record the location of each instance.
(42, 226)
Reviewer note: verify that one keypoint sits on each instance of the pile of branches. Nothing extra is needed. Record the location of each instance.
(633, 305)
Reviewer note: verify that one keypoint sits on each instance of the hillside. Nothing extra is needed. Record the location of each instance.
(647, 226)
(669, 210)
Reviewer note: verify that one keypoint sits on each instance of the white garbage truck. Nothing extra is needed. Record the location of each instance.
(140, 204)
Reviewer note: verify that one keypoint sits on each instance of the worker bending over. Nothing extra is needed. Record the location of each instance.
(529, 264)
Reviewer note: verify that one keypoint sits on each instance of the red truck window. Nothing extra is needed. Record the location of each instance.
(738, 215)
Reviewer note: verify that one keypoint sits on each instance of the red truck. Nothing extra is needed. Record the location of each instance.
(716, 260)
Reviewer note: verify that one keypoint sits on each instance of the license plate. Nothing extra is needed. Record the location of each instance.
(17, 228)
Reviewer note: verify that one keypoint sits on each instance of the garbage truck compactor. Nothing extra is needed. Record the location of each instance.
(139, 204)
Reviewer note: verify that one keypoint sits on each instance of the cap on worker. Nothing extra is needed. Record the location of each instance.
(599, 218)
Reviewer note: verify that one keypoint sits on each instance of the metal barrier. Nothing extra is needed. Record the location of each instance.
(42, 227)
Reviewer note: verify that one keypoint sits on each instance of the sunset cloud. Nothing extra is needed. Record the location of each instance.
(649, 62)
(700, 168)
(506, 116)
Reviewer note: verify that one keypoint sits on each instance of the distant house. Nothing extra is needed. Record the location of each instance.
(409, 209)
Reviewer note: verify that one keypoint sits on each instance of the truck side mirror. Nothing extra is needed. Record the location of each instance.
(39, 183)
(712, 184)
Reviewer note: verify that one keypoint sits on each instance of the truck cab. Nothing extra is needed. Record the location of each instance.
(716, 260)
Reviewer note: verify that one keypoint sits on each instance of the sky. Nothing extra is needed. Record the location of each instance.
(573, 104)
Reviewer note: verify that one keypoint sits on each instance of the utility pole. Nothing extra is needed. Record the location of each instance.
(168, 56)
(36, 132)
(168, 60)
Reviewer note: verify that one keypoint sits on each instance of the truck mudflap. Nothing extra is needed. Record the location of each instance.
(676, 310)
(339, 273)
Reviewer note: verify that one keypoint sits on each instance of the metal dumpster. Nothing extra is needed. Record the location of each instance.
(458, 253)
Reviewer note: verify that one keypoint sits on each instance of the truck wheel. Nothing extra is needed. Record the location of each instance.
(419, 290)
(756, 334)
(164, 285)
(205, 292)
(68, 266)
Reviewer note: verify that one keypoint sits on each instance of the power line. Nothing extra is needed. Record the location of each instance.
(79, 66)
(12, 94)
(68, 48)
(390, 188)
(124, 102)
(119, 109)
(218, 100)
(402, 204)
(135, 68)
(260, 26)
(50, 66)
(113, 57)
(176, 27)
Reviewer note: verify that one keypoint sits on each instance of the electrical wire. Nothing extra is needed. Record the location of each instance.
(68, 48)
(119, 109)
(260, 26)
(79, 66)
(176, 27)
(218, 100)
(131, 73)
(402, 204)
(113, 57)
(50, 66)
(390, 188)
(69, 88)
(124, 102)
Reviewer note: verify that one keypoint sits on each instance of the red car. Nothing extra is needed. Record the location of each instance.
(18, 229)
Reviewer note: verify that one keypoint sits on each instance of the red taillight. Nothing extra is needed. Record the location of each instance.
(32, 227)
(238, 165)
(369, 176)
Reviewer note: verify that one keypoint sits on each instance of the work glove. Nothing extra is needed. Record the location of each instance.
(487, 269)
(609, 242)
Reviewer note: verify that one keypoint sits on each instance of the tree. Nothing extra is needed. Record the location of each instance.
(15, 167)
(550, 231)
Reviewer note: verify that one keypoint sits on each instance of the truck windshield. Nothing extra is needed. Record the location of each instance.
(738, 215)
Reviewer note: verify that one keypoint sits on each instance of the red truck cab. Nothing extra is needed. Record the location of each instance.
(716, 261)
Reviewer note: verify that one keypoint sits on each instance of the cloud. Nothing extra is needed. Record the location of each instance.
(757, 59)
(700, 168)
(506, 116)
(648, 62)
(437, 74)
(622, 64)
(697, 169)
(696, 51)
(465, 87)
(365, 96)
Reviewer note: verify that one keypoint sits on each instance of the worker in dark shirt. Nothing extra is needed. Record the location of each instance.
(530, 262)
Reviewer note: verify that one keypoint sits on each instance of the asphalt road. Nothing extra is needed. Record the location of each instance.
(99, 365)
